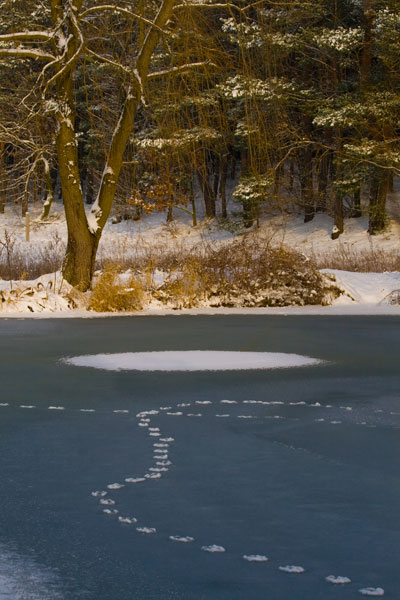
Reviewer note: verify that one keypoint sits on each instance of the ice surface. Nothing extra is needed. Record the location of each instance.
(194, 360)
(22, 578)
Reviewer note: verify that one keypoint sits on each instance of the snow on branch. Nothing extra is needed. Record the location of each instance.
(26, 35)
(27, 53)
(121, 10)
(202, 4)
(181, 69)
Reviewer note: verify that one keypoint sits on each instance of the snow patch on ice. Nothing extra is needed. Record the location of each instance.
(255, 558)
(337, 579)
(370, 591)
(193, 360)
(292, 569)
(213, 548)
(146, 529)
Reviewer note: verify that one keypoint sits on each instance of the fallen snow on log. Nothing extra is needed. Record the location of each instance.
(193, 360)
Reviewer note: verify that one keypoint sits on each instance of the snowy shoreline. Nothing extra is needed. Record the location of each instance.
(363, 294)
(328, 311)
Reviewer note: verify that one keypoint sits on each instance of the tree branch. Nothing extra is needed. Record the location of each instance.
(121, 10)
(26, 35)
(108, 61)
(181, 69)
(26, 53)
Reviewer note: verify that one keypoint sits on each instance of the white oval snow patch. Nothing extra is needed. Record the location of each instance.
(255, 557)
(192, 360)
(115, 486)
(183, 539)
(339, 579)
(146, 529)
(213, 548)
(370, 591)
(135, 479)
(107, 502)
(292, 569)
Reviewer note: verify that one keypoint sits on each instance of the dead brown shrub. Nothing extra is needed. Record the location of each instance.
(112, 294)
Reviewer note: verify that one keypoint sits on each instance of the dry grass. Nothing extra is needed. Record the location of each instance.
(250, 271)
(247, 272)
(112, 294)
(16, 263)
(370, 260)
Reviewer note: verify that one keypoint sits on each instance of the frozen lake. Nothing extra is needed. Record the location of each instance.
(299, 465)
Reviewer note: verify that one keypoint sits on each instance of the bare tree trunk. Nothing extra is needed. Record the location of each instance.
(222, 188)
(50, 192)
(323, 178)
(193, 203)
(356, 212)
(306, 183)
(377, 205)
(338, 226)
(2, 180)
(209, 199)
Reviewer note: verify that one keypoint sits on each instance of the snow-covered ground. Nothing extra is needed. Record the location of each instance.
(364, 293)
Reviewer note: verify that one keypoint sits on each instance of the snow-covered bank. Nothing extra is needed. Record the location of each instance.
(367, 288)
(51, 297)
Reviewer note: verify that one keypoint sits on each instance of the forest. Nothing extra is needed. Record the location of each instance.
(132, 107)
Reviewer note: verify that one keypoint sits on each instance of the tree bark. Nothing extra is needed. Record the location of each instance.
(377, 204)
(2, 180)
(222, 188)
(306, 183)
